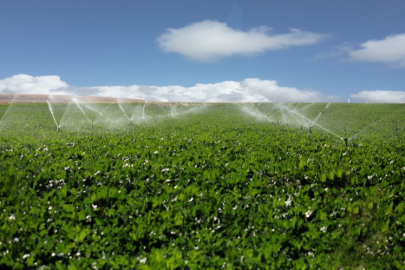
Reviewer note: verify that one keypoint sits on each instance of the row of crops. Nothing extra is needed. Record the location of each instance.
(202, 186)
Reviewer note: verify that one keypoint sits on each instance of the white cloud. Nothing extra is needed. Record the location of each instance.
(388, 50)
(210, 40)
(336, 51)
(248, 90)
(380, 96)
(27, 84)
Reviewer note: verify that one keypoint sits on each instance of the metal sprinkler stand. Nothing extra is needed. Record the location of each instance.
(345, 139)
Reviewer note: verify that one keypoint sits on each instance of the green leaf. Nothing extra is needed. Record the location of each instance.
(69, 208)
(178, 219)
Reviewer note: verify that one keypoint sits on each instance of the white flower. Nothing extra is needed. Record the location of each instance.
(143, 260)
(26, 256)
(11, 217)
(308, 213)
(94, 206)
(191, 200)
(156, 152)
(165, 170)
(97, 173)
(323, 229)
(288, 202)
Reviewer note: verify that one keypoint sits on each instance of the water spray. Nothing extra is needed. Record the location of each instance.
(122, 109)
(315, 124)
(77, 103)
(98, 113)
(51, 110)
(315, 119)
(4, 115)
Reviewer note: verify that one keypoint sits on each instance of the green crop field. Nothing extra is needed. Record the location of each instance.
(196, 186)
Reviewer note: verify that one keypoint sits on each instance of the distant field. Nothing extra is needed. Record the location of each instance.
(195, 186)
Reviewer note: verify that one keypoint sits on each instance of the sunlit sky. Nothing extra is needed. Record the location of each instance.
(205, 51)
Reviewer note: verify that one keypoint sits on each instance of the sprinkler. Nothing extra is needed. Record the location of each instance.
(345, 139)
(92, 125)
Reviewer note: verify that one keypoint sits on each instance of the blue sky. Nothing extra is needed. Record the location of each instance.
(184, 50)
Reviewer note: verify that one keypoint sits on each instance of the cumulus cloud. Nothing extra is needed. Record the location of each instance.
(248, 90)
(209, 40)
(388, 50)
(380, 96)
(27, 84)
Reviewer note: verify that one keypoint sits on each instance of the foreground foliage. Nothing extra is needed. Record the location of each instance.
(217, 188)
